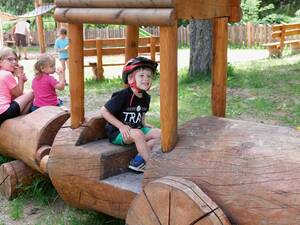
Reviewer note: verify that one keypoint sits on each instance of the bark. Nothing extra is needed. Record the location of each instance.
(200, 47)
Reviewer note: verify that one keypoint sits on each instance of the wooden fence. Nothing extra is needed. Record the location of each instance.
(248, 35)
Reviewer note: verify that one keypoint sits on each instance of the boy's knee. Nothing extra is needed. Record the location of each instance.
(136, 133)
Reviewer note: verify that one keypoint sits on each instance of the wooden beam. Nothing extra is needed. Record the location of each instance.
(219, 67)
(168, 87)
(154, 17)
(131, 42)
(202, 9)
(76, 74)
(114, 4)
(40, 28)
(236, 12)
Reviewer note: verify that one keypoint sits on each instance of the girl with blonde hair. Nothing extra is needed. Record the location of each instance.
(13, 100)
(44, 85)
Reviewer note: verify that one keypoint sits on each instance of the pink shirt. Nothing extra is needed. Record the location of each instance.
(43, 87)
(7, 82)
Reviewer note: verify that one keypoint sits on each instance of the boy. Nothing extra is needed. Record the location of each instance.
(61, 45)
(125, 111)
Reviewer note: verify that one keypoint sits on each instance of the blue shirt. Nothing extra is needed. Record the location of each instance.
(61, 44)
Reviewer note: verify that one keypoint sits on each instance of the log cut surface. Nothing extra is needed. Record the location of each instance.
(174, 201)
(250, 170)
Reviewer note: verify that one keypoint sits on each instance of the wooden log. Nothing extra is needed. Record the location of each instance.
(42, 152)
(44, 164)
(250, 170)
(219, 67)
(21, 137)
(78, 163)
(40, 27)
(169, 87)
(173, 200)
(77, 74)
(154, 17)
(114, 4)
(131, 42)
(14, 176)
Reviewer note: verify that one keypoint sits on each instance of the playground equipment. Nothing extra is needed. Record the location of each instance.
(220, 171)
(29, 139)
(115, 46)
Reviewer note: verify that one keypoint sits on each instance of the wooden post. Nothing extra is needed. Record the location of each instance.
(76, 74)
(40, 28)
(168, 86)
(249, 34)
(219, 67)
(131, 42)
(152, 48)
(99, 69)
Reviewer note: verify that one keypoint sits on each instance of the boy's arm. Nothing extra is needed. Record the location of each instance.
(124, 129)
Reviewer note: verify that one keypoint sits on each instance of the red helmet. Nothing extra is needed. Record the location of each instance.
(136, 63)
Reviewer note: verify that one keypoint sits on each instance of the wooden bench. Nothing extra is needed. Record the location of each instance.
(283, 33)
(116, 46)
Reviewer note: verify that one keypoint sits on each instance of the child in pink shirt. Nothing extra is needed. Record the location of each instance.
(13, 102)
(44, 85)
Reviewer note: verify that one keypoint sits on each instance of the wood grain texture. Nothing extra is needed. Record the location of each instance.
(76, 170)
(202, 9)
(21, 137)
(131, 42)
(174, 201)
(135, 16)
(250, 170)
(219, 67)
(168, 87)
(236, 11)
(115, 4)
(76, 74)
(40, 28)
(14, 177)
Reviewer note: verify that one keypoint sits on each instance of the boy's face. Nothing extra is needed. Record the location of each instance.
(143, 78)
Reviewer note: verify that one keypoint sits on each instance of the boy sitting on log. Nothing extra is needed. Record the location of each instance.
(125, 111)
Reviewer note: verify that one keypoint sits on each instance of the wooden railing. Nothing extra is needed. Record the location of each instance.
(116, 46)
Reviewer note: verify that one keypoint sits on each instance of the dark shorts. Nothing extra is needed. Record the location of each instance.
(11, 112)
(21, 40)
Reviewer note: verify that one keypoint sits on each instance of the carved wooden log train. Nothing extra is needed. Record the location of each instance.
(220, 171)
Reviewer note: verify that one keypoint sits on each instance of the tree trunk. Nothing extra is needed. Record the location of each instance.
(200, 47)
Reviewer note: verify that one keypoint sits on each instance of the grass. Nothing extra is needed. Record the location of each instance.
(263, 91)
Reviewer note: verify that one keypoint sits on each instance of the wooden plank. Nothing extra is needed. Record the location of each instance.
(155, 17)
(236, 12)
(279, 27)
(219, 67)
(77, 74)
(292, 32)
(169, 87)
(115, 4)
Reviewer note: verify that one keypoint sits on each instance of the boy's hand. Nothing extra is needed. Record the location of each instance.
(125, 131)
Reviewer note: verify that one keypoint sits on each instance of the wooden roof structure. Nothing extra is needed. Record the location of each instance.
(162, 13)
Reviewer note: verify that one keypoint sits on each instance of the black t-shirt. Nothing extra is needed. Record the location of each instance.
(128, 108)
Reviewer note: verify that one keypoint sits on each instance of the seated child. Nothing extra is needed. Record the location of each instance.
(13, 102)
(44, 85)
(125, 111)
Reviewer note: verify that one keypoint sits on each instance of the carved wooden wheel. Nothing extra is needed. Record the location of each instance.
(174, 201)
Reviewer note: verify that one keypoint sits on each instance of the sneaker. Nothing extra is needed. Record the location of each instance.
(137, 164)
